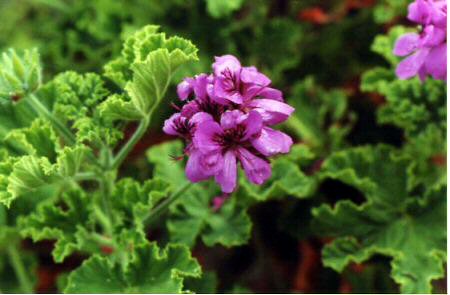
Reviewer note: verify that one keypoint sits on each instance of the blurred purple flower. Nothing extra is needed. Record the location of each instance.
(426, 52)
(225, 121)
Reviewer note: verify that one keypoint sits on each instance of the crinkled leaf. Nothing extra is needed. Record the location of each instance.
(20, 74)
(39, 161)
(75, 99)
(289, 177)
(145, 68)
(65, 222)
(118, 107)
(321, 118)
(149, 270)
(193, 215)
(391, 222)
(384, 44)
(37, 140)
(133, 201)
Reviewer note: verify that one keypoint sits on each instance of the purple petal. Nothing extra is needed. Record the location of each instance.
(256, 169)
(422, 73)
(189, 109)
(251, 75)
(433, 36)
(204, 136)
(230, 119)
(201, 117)
(221, 92)
(272, 111)
(419, 12)
(226, 62)
(200, 85)
(194, 169)
(409, 67)
(169, 127)
(253, 125)
(227, 176)
(439, 14)
(211, 163)
(185, 88)
(271, 93)
(406, 44)
(436, 62)
(212, 94)
(272, 142)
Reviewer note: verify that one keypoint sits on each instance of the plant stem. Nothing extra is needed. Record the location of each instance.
(106, 184)
(43, 111)
(126, 149)
(19, 269)
(161, 207)
(85, 176)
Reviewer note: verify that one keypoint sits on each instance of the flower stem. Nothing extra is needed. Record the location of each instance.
(19, 269)
(126, 149)
(161, 207)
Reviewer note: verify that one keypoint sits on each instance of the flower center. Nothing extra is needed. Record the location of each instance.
(230, 83)
(184, 127)
(231, 138)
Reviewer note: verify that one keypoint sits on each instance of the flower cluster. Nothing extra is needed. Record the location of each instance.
(427, 52)
(226, 119)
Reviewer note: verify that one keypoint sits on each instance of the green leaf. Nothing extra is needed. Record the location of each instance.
(37, 140)
(20, 74)
(76, 101)
(391, 222)
(149, 270)
(384, 44)
(321, 118)
(171, 171)
(387, 10)
(193, 215)
(288, 177)
(30, 173)
(74, 219)
(39, 161)
(145, 69)
(65, 222)
(133, 201)
(218, 8)
(207, 284)
(117, 107)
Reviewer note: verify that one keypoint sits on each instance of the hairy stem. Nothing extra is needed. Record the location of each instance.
(164, 205)
(126, 149)
(19, 269)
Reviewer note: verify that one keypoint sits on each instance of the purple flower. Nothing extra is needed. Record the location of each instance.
(227, 142)
(236, 84)
(225, 121)
(426, 52)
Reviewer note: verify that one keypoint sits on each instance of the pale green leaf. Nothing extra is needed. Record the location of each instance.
(149, 270)
(392, 222)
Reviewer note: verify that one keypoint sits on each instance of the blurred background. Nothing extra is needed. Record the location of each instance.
(315, 51)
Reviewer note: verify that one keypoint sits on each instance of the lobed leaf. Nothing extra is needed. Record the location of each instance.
(391, 222)
(149, 270)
